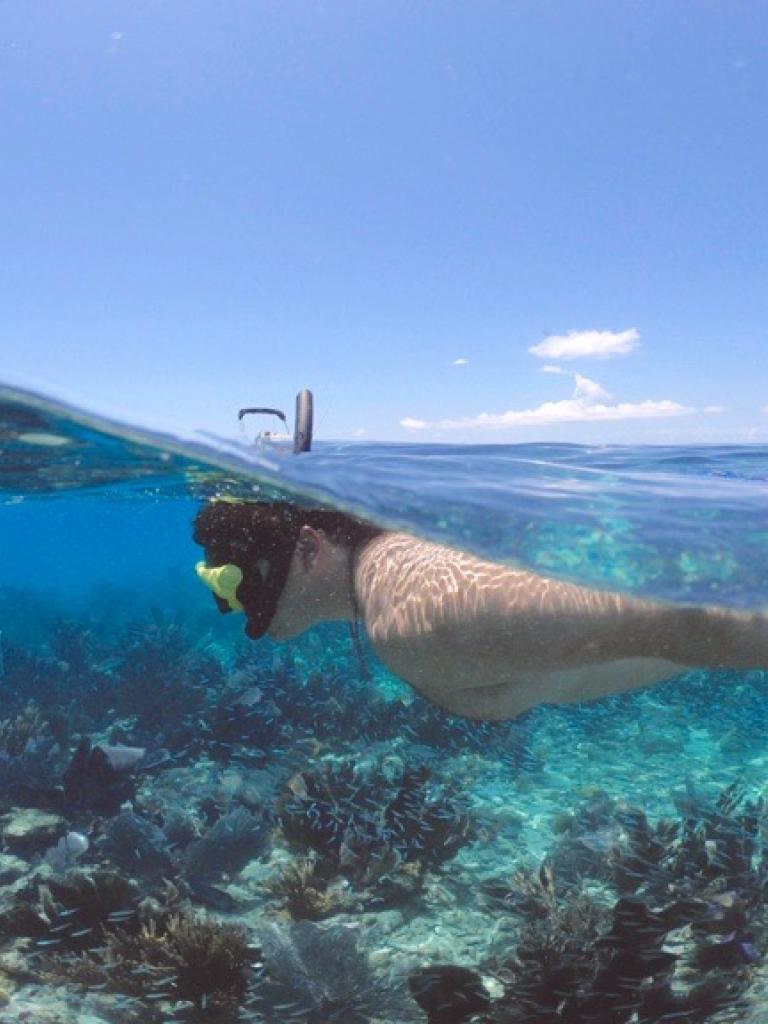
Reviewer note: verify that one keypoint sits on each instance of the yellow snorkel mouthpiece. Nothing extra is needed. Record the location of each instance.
(223, 580)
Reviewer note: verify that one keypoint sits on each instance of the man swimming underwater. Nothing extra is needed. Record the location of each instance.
(481, 640)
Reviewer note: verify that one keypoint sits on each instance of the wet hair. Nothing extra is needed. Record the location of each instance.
(260, 538)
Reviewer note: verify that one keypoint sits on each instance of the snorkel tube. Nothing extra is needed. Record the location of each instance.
(302, 431)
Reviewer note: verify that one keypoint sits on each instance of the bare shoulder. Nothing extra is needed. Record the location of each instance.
(409, 587)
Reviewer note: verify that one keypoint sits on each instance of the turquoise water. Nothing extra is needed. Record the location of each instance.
(291, 807)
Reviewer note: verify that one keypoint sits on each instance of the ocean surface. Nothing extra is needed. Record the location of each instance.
(199, 827)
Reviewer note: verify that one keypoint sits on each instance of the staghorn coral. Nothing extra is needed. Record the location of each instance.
(253, 734)
(172, 957)
(290, 706)
(508, 743)
(31, 730)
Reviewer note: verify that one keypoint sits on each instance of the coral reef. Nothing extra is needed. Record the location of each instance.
(93, 785)
(377, 831)
(135, 845)
(449, 994)
(529, 872)
(227, 846)
(185, 958)
(32, 755)
(313, 974)
(71, 913)
(305, 895)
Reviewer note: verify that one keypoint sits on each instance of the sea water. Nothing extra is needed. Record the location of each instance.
(196, 826)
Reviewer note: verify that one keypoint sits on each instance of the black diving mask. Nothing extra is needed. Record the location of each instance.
(248, 553)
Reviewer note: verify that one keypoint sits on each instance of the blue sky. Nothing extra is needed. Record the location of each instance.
(205, 205)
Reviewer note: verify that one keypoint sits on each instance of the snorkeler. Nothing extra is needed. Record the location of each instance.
(481, 640)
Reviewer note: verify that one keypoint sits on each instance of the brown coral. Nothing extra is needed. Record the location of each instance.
(304, 894)
(188, 957)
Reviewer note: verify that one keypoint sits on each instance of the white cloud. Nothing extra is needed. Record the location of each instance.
(589, 390)
(765, 408)
(549, 368)
(586, 344)
(570, 410)
(460, 362)
(714, 409)
(590, 403)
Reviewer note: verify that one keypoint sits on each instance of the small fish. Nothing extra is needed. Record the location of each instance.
(211, 896)
(251, 696)
(298, 787)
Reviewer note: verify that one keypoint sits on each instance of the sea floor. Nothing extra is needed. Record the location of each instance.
(194, 828)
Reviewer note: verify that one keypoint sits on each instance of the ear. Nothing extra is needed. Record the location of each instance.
(309, 547)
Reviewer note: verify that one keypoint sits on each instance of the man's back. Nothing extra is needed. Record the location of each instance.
(488, 641)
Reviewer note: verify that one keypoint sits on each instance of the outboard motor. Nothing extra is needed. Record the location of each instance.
(302, 430)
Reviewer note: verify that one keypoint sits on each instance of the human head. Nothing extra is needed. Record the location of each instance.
(261, 538)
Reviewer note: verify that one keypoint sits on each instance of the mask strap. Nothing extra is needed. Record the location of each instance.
(354, 626)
